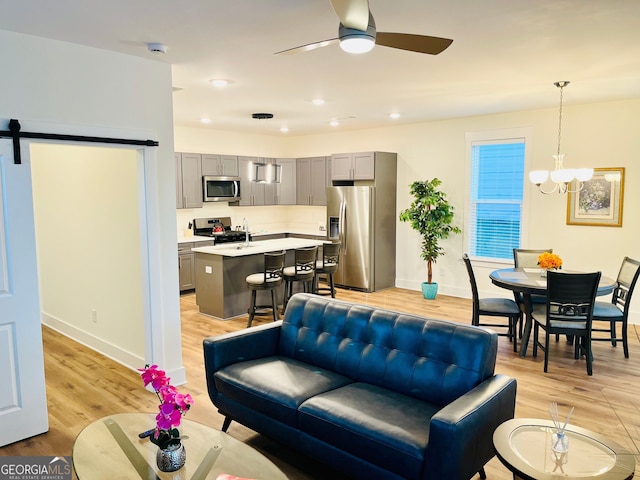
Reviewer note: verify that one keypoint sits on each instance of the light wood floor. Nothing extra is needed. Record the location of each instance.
(83, 386)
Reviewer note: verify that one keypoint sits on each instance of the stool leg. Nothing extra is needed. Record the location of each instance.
(273, 304)
(252, 308)
(332, 286)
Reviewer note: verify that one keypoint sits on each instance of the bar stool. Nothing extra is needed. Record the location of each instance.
(269, 279)
(327, 266)
(303, 270)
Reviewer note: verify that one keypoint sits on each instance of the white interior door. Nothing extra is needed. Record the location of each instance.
(23, 402)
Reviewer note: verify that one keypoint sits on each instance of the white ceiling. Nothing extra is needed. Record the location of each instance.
(505, 56)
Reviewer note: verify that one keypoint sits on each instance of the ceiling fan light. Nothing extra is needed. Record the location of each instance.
(357, 43)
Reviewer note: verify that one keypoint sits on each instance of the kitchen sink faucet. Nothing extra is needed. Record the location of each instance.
(245, 227)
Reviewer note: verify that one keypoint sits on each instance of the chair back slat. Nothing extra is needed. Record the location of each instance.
(472, 281)
(305, 260)
(527, 258)
(330, 254)
(273, 265)
(571, 296)
(626, 282)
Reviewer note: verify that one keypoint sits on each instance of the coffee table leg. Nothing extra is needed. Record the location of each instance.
(528, 324)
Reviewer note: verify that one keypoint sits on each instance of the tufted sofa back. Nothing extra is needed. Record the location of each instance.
(433, 360)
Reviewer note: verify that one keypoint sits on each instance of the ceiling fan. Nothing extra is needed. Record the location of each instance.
(357, 33)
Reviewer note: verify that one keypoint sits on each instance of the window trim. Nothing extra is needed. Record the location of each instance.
(498, 135)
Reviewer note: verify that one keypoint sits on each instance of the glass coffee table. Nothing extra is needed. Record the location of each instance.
(523, 445)
(110, 448)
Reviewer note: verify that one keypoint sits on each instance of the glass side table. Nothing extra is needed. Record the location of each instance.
(523, 445)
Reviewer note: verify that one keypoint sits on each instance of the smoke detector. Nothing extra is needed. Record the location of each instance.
(157, 48)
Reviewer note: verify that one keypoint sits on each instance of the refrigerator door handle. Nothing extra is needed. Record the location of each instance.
(343, 226)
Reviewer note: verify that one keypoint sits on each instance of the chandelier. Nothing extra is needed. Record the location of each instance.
(560, 176)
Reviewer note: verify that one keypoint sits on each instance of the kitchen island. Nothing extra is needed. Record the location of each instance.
(221, 290)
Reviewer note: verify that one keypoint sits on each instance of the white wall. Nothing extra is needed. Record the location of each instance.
(598, 135)
(67, 88)
(88, 243)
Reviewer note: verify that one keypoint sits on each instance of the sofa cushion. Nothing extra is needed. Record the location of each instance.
(433, 360)
(381, 426)
(275, 386)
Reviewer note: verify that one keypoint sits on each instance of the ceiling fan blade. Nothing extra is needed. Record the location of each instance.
(413, 43)
(308, 47)
(352, 13)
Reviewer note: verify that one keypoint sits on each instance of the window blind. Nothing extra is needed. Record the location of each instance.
(497, 183)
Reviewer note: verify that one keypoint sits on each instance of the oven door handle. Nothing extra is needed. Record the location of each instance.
(236, 188)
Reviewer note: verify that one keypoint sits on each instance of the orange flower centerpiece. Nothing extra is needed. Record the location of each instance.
(549, 261)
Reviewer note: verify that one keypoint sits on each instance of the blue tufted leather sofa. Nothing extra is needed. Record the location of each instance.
(374, 393)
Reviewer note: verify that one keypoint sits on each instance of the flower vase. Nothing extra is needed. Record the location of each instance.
(544, 271)
(171, 458)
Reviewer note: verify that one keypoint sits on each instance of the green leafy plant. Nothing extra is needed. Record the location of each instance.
(431, 215)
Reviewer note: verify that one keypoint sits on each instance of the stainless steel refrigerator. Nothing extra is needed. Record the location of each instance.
(364, 222)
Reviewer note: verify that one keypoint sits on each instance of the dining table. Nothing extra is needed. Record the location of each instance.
(530, 281)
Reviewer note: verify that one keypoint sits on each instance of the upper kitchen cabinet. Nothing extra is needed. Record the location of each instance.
(220, 165)
(313, 177)
(254, 193)
(286, 189)
(353, 166)
(189, 180)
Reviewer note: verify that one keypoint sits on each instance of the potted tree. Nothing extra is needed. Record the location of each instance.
(431, 215)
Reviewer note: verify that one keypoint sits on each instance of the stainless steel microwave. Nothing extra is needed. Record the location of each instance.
(220, 189)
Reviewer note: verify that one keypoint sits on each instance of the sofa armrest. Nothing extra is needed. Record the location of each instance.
(461, 434)
(249, 344)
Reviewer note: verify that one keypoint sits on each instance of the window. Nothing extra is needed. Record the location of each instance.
(497, 168)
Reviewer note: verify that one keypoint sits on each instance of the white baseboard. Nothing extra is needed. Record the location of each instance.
(107, 349)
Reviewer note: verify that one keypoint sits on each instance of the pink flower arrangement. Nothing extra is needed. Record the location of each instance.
(173, 406)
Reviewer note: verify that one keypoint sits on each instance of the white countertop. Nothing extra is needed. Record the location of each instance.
(258, 247)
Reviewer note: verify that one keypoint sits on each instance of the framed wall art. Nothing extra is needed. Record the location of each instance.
(599, 202)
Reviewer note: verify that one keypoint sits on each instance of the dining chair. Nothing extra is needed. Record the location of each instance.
(528, 258)
(569, 311)
(303, 270)
(617, 311)
(494, 307)
(269, 279)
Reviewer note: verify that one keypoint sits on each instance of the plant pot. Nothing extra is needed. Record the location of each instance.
(429, 290)
(171, 458)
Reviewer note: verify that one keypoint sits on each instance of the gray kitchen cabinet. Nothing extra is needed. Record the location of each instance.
(179, 198)
(186, 266)
(187, 263)
(189, 180)
(252, 193)
(312, 180)
(353, 166)
(220, 165)
(286, 189)
(270, 189)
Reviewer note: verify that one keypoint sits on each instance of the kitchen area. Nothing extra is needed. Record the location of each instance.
(229, 213)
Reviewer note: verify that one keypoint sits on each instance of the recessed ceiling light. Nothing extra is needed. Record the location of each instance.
(284, 129)
(318, 101)
(334, 123)
(394, 115)
(219, 82)
(205, 120)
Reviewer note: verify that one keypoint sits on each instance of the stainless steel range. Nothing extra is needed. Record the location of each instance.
(219, 229)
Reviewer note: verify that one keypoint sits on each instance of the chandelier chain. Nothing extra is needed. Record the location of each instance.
(560, 118)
